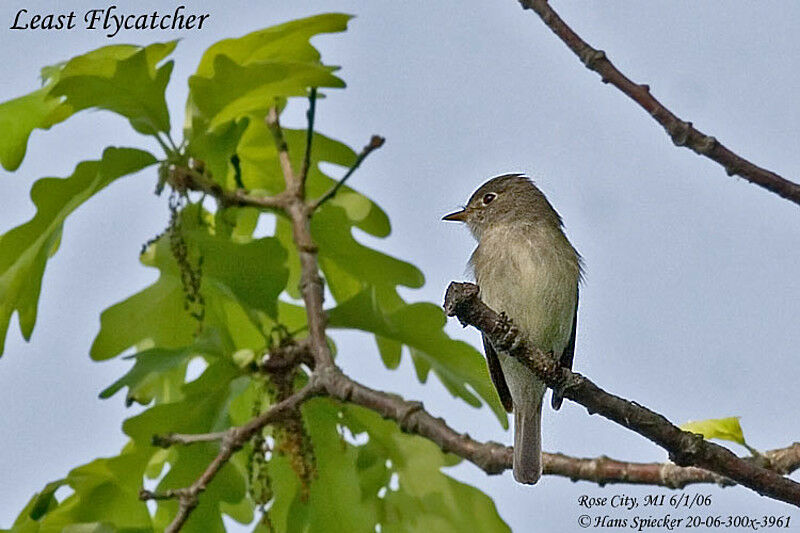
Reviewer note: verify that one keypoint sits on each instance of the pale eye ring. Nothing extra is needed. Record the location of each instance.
(487, 198)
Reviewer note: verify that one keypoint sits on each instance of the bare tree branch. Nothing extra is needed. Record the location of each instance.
(681, 132)
(685, 449)
(603, 470)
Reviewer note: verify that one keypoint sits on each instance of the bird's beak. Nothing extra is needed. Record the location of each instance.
(458, 216)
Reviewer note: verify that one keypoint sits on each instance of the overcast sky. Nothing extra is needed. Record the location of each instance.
(690, 304)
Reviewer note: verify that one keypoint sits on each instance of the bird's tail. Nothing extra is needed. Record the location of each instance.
(528, 440)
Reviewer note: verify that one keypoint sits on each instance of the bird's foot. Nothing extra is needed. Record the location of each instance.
(508, 333)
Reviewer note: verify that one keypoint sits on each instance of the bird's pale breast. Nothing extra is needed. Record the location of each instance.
(532, 278)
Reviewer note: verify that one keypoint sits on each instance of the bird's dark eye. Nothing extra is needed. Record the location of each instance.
(487, 198)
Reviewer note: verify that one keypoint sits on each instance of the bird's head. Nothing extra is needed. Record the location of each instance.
(505, 200)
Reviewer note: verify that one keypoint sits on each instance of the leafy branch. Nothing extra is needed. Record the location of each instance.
(687, 450)
(231, 441)
(491, 457)
(294, 205)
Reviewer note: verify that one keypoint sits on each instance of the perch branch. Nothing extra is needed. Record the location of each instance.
(494, 458)
(685, 449)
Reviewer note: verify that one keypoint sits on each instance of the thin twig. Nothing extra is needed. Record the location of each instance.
(232, 440)
(312, 106)
(172, 142)
(681, 132)
(163, 145)
(274, 125)
(165, 441)
(685, 449)
(287, 356)
(374, 143)
(185, 178)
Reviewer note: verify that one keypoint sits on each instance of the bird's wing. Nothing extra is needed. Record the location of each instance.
(567, 355)
(496, 372)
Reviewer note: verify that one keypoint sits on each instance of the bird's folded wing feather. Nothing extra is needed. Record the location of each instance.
(496, 372)
(566, 357)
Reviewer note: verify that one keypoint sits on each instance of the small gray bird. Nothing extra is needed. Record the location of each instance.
(526, 268)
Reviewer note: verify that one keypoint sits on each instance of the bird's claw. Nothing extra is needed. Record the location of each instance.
(507, 332)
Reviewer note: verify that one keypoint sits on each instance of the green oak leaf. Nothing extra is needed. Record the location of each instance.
(261, 170)
(44, 108)
(419, 326)
(286, 42)
(348, 266)
(717, 428)
(45, 501)
(240, 285)
(355, 490)
(331, 230)
(154, 316)
(424, 498)
(216, 148)
(104, 498)
(245, 74)
(104, 61)
(19, 117)
(156, 374)
(236, 91)
(203, 408)
(132, 90)
(25, 249)
(390, 350)
(238, 223)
